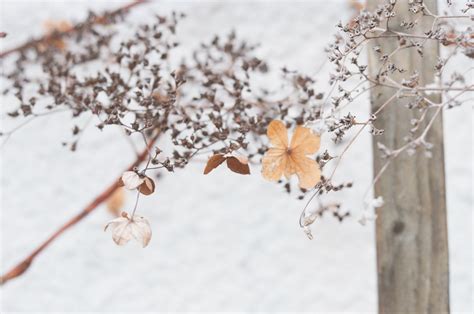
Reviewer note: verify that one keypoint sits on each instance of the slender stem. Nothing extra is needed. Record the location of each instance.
(136, 204)
(358, 133)
(7, 134)
(34, 42)
(422, 136)
(22, 266)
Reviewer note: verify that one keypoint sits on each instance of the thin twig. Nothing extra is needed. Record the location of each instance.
(21, 267)
(35, 42)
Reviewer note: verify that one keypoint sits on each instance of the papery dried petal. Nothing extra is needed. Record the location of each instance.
(132, 180)
(307, 231)
(277, 134)
(141, 230)
(307, 170)
(147, 187)
(304, 141)
(274, 164)
(124, 229)
(114, 223)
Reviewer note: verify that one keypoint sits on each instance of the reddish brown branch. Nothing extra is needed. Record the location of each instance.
(21, 267)
(56, 35)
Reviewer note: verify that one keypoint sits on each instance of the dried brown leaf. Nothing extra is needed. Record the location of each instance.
(147, 187)
(214, 162)
(238, 165)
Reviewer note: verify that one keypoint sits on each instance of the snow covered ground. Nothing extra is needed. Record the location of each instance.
(220, 243)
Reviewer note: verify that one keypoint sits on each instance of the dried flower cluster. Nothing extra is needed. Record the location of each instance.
(207, 105)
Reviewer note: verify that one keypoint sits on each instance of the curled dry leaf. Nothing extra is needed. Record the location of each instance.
(214, 162)
(131, 180)
(288, 159)
(125, 228)
(238, 165)
(235, 164)
(147, 187)
(116, 201)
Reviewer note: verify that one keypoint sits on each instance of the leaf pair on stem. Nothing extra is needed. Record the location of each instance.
(282, 159)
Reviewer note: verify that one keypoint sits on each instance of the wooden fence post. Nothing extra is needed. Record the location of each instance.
(411, 229)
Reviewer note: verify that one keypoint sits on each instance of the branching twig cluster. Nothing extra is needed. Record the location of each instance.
(212, 103)
(352, 79)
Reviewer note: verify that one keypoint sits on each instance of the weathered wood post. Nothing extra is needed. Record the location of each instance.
(411, 230)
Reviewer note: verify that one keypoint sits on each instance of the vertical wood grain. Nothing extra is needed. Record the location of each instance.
(411, 228)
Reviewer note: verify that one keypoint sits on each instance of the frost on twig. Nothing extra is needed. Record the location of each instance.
(369, 211)
(307, 219)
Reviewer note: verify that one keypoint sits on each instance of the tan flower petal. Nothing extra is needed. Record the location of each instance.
(277, 134)
(304, 141)
(274, 164)
(290, 168)
(307, 170)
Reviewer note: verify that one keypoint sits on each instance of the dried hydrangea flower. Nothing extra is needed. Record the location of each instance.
(288, 159)
(125, 228)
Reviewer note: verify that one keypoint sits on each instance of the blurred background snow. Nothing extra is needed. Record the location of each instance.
(220, 242)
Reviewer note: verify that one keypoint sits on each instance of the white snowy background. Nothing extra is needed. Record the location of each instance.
(220, 242)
